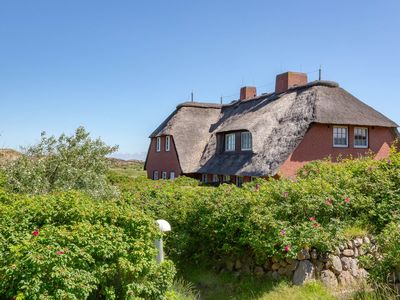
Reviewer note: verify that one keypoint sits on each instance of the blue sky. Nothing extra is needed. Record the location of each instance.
(120, 67)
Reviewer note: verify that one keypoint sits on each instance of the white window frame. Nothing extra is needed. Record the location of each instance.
(242, 138)
(158, 144)
(167, 143)
(172, 175)
(227, 178)
(229, 143)
(155, 175)
(347, 137)
(354, 138)
(204, 178)
(164, 175)
(215, 178)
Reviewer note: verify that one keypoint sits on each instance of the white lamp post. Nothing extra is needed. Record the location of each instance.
(164, 227)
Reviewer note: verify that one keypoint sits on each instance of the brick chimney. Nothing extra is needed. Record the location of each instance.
(288, 80)
(248, 92)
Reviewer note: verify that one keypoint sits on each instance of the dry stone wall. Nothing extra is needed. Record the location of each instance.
(339, 268)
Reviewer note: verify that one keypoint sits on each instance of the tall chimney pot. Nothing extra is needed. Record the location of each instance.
(248, 92)
(288, 80)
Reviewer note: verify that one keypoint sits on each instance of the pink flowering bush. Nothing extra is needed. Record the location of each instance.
(274, 218)
(70, 246)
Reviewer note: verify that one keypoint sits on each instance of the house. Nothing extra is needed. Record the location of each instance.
(272, 134)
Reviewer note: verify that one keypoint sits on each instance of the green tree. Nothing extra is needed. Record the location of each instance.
(75, 162)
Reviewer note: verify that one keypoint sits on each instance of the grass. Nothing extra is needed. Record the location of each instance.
(228, 286)
(129, 168)
(354, 231)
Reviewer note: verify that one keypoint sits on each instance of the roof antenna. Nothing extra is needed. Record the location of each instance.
(191, 96)
(319, 72)
(221, 99)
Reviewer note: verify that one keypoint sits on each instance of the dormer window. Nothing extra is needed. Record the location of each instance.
(167, 143)
(158, 144)
(246, 141)
(230, 142)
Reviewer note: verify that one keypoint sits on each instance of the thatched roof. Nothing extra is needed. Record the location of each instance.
(277, 122)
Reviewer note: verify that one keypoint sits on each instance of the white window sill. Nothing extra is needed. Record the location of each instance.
(361, 147)
(340, 146)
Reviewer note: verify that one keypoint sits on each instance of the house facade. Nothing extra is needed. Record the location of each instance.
(272, 134)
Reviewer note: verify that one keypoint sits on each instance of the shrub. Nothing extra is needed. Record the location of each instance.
(64, 163)
(382, 269)
(69, 246)
(274, 217)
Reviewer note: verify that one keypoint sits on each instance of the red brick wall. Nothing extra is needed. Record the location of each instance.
(162, 161)
(318, 144)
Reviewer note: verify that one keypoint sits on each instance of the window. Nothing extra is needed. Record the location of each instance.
(204, 178)
(246, 140)
(155, 175)
(227, 178)
(340, 137)
(164, 175)
(172, 175)
(239, 181)
(230, 142)
(158, 145)
(167, 143)
(215, 178)
(360, 137)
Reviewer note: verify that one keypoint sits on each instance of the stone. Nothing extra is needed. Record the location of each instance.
(314, 254)
(337, 251)
(336, 264)
(238, 264)
(345, 278)
(362, 250)
(342, 247)
(282, 271)
(245, 269)
(305, 272)
(229, 265)
(291, 261)
(283, 263)
(268, 274)
(275, 266)
(303, 254)
(356, 252)
(350, 245)
(293, 265)
(354, 267)
(366, 240)
(275, 275)
(329, 279)
(267, 265)
(258, 271)
(345, 263)
(288, 271)
(324, 257)
(348, 252)
(357, 242)
(362, 273)
(319, 266)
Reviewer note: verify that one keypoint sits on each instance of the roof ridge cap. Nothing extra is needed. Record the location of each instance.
(199, 105)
